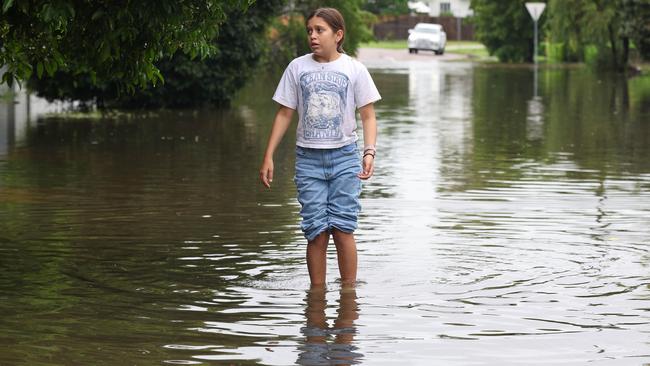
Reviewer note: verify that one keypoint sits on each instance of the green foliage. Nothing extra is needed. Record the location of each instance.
(188, 82)
(215, 80)
(635, 16)
(106, 41)
(599, 21)
(564, 29)
(591, 55)
(600, 31)
(505, 28)
(555, 52)
(387, 7)
(291, 40)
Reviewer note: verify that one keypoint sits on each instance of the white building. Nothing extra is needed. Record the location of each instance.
(457, 8)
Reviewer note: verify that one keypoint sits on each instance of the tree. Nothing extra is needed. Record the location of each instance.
(188, 82)
(108, 41)
(505, 28)
(606, 26)
(291, 40)
(600, 23)
(635, 25)
(564, 28)
(387, 7)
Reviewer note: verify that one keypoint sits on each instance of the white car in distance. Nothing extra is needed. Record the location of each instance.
(427, 36)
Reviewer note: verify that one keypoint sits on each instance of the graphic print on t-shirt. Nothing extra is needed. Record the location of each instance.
(324, 97)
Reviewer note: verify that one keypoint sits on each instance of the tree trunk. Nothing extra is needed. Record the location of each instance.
(626, 52)
(612, 42)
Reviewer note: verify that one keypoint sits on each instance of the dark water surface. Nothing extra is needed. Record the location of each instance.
(501, 228)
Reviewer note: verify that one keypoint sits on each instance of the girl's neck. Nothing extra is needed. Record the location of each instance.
(327, 58)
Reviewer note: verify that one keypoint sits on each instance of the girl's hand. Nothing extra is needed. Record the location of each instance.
(368, 167)
(266, 172)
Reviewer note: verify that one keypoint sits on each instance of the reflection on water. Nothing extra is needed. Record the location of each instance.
(502, 227)
(318, 348)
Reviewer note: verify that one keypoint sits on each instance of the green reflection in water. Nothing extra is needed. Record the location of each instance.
(111, 231)
(600, 121)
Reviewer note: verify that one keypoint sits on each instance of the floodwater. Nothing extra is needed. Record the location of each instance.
(508, 224)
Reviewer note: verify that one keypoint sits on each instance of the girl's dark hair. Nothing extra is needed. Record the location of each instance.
(334, 19)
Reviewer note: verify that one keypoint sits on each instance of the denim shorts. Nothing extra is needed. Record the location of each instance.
(328, 189)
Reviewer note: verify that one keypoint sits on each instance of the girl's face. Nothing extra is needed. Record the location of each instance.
(322, 39)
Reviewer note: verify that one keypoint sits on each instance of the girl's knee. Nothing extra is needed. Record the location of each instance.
(339, 231)
(320, 240)
(343, 229)
(342, 237)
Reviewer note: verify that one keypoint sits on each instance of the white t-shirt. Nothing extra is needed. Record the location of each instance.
(326, 96)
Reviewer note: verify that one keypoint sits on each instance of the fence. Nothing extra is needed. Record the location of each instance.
(397, 27)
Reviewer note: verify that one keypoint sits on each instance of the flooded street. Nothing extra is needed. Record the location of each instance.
(507, 223)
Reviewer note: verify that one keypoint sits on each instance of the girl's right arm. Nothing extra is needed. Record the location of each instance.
(280, 125)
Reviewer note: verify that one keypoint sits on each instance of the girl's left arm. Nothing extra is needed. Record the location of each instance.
(369, 122)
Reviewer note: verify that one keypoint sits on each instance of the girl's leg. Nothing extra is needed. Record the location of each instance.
(343, 209)
(317, 258)
(346, 251)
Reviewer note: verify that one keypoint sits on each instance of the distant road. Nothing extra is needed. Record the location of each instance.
(386, 57)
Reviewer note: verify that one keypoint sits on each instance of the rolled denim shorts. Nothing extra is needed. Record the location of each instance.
(328, 189)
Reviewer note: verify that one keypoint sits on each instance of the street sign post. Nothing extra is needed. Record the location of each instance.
(535, 10)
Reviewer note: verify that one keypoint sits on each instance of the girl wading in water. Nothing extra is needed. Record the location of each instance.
(326, 87)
